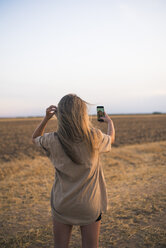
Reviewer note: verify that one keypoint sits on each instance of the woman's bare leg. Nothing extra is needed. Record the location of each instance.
(90, 235)
(62, 234)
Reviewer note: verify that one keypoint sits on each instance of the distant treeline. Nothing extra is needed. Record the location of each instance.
(157, 113)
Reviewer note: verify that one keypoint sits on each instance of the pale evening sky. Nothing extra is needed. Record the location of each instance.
(108, 52)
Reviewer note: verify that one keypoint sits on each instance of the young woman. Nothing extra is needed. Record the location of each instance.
(78, 195)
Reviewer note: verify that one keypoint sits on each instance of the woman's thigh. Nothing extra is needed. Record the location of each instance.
(62, 234)
(90, 235)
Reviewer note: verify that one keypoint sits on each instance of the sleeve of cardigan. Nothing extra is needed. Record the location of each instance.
(43, 141)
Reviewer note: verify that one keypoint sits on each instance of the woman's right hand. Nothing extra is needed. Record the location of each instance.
(50, 111)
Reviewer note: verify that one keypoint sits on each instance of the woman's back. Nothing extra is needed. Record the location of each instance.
(78, 195)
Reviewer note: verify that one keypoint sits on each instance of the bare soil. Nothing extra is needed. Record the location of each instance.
(15, 138)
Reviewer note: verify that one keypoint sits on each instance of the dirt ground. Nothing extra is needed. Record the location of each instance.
(15, 138)
(135, 176)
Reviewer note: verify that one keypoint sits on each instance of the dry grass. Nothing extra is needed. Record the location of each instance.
(135, 176)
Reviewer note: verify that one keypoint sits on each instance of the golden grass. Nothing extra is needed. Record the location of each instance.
(135, 177)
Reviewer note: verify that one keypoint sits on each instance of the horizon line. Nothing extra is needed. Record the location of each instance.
(39, 116)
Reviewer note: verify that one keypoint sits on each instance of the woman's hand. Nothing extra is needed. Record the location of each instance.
(50, 111)
(106, 118)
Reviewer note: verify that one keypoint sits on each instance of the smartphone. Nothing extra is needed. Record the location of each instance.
(100, 112)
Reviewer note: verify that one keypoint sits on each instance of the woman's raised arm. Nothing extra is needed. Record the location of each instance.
(50, 111)
(110, 129)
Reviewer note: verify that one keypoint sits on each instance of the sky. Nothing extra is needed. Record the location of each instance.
(108, 52)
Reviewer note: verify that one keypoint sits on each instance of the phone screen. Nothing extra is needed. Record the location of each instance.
(100, 112)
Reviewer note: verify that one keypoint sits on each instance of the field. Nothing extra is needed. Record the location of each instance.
(135, 172)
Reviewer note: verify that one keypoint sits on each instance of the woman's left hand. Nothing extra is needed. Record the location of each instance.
(50, 111)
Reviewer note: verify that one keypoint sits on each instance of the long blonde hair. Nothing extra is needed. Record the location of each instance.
(74, 125)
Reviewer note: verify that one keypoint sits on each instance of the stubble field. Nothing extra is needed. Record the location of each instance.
(135, 175)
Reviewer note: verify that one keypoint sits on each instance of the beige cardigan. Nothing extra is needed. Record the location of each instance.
(79, 193)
